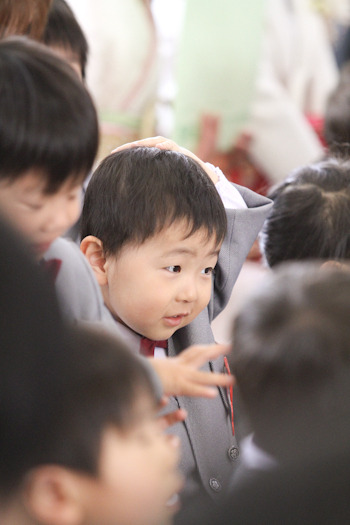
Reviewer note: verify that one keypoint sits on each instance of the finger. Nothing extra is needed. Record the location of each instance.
(213, 379)
(197, 390)
(198, 355)
(198, 377)
(163, 401)
(168, 144)
(173, 417)
(148, 142)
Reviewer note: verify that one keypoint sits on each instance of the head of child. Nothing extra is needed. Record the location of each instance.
(48, 141)
(152, 227)
(310, 218)
(64, 35)
(291, 358)
(107, 459)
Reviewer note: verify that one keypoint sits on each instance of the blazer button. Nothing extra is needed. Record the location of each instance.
(233, 453)
(215, 485)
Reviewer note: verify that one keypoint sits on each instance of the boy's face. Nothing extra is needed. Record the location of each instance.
(40, 217)
(163, 284)
(137, 475)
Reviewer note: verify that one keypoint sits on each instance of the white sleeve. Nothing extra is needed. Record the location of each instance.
(282, 138)
(229, 194)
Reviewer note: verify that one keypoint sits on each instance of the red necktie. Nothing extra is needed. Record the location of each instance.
(52, 267)
(147, 346)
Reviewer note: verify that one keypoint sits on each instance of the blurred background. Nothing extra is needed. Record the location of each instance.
(245, 85)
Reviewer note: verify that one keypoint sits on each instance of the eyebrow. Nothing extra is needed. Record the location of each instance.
(188, 251)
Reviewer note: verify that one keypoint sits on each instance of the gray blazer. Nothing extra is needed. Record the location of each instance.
(209, 448)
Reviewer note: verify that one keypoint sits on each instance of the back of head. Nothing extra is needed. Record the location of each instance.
(48, 121)
(310, 218)
(63, 31)
(33, 361)
(136, 193)
(103, 389)
(291, 355)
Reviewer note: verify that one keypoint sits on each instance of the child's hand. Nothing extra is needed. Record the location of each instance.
(163, 143)
(171, 418)
(180, 375)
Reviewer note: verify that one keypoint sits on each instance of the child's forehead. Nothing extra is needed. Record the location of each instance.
(183, 230)
(38, 181)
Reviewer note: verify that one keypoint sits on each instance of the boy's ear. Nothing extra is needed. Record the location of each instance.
(51, 496)
(92, 248)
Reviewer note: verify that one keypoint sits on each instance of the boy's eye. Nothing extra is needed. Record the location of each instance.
(174, 269)
(75, 195)
(33, 206)
(208, 271)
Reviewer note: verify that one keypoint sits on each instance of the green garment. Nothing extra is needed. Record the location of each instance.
(217, 66)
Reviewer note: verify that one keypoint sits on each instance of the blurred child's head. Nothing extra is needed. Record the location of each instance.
(291, 348)
(310, 218)
(48, 141)
(108, 460)
(152, 226)
(64, 35)
(33, 362)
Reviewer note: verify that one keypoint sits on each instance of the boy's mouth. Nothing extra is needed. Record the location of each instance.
(175, 320)
(41, 248)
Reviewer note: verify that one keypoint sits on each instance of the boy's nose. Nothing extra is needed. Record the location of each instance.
(188, 292)
(63, 219)
(60, 221)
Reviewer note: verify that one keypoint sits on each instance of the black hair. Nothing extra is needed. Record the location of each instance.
(105, 383)
(60, 387)
(291, 353)
(33, 361)
(48, 121)
(136, 193)
(64, 31)
(310, 218)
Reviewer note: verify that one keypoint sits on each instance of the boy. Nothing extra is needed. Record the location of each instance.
(310, 218)
(291, 364)
(65, 37)
(48, 140)
(152, 227)
(101, 457)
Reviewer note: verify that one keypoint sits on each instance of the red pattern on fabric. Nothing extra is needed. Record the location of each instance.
(147, 346)
(52, 267)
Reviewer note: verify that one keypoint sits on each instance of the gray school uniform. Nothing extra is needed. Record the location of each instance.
(210, 451)
(209, 448)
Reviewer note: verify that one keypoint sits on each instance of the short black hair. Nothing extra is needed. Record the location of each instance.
(291, 351)
(47, 118)
(63, 30)
(136, 193)
(60, 387)
(103, 388)
(310, 217)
